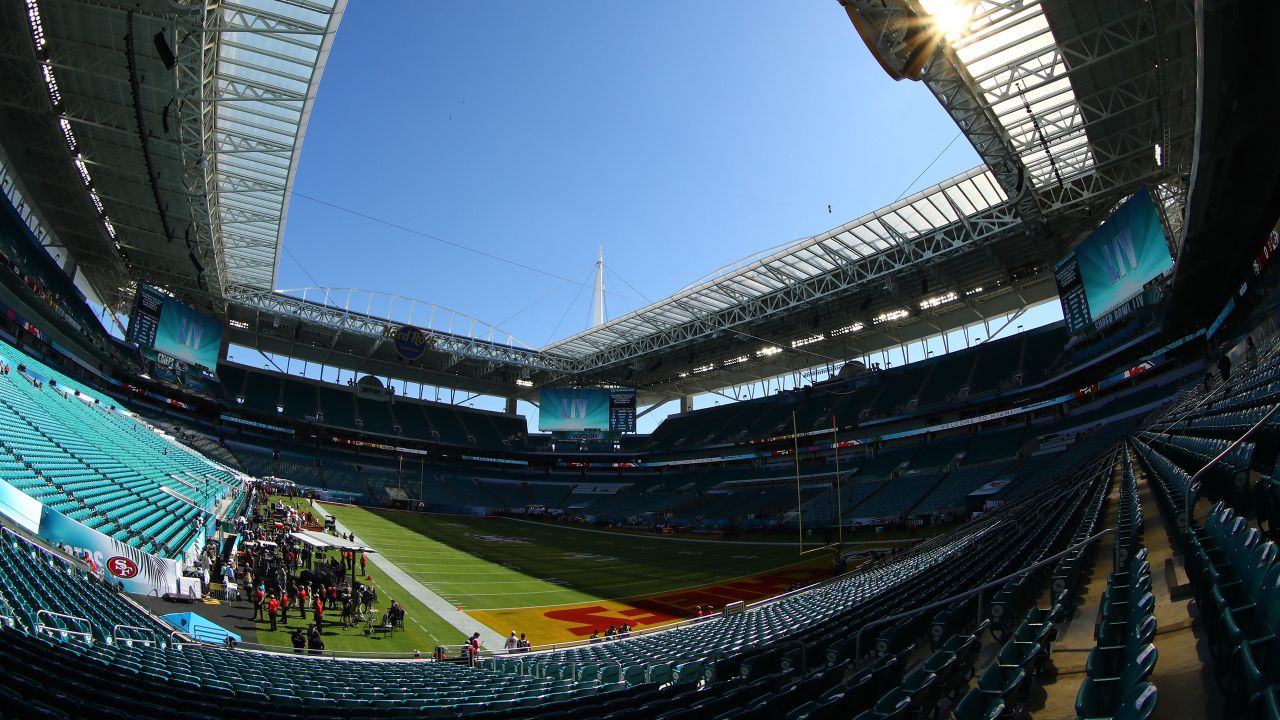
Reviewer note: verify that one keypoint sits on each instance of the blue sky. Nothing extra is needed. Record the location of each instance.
(679, 136)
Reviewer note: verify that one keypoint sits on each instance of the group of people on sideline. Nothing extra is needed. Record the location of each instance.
(279, 574)
(516, 644)
(613, 633)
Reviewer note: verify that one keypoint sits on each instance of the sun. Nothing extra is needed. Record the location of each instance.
(950, 17)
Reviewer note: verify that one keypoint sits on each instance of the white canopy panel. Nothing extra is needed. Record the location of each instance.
(1018, 67)
(860, 241)
(270, 56)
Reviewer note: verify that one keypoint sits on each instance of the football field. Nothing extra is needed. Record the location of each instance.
(561, 581)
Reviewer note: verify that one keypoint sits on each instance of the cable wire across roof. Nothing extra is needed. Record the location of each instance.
(1018, 66)
(944, 205)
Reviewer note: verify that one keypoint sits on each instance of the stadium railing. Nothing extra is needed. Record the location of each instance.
(978, 590)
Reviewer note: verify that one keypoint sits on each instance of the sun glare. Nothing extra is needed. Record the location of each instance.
(951, 17)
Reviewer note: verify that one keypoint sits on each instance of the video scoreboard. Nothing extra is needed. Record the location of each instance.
(603, 410)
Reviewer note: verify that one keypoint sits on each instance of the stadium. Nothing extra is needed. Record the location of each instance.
(1002, 447)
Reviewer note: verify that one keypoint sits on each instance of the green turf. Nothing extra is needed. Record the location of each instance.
(813, 539)
(490, 563)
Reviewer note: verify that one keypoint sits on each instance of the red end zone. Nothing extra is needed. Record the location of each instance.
(576, 621)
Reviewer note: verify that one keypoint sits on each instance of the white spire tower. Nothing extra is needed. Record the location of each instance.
(597, 298)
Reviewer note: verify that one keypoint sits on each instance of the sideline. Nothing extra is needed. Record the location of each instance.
(461, 621)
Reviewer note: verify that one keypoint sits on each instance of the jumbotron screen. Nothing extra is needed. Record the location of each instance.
(165, 325)
(1113, 265)
(578, 409)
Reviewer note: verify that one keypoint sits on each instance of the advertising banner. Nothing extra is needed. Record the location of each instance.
(1268, 250)
(410, 342)
(20, 507)
(501, 461)
(253, 423)
(581, 435)
(139, 571)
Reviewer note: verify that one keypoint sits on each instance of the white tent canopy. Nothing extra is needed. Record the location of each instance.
(324, 541)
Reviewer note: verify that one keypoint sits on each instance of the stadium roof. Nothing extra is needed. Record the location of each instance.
(161, 139)
(817, 301)
(270, 56)
(171, 160)
(843, 258)
(1082, 98)
(1021, 72)
(1071, 105)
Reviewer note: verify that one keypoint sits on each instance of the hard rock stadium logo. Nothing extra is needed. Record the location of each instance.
(122, 567)
(409, 341)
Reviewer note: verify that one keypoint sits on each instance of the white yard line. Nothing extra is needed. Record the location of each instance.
(415, 620)
(447, 611)
(492, 640)
(435, 573)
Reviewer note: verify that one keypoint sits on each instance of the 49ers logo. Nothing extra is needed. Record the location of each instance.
(122, 567)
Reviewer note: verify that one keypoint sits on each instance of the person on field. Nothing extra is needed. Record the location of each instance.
(468, 656)
(315, 641)
(259, 595)
(273, 607)
(395, 616)
(513, 643)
